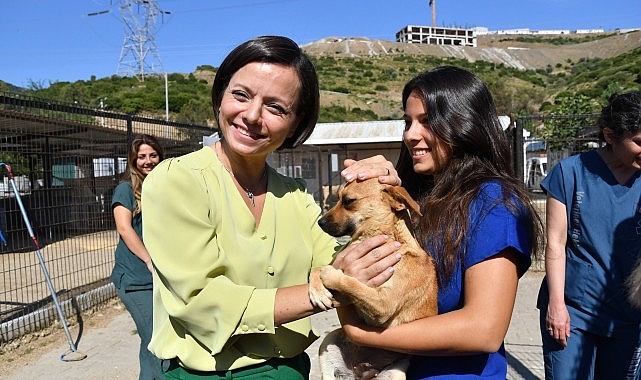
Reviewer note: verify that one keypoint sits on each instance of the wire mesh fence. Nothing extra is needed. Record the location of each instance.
(66, 162)
(572, 134)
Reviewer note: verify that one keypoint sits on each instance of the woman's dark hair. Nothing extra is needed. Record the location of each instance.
(461, 113)
(133, 173)
(282, 51)
(622, 115)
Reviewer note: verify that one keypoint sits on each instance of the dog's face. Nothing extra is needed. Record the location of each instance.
(365, 205)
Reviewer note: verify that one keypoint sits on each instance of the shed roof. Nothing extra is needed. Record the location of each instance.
(357, 132)
(360, 132)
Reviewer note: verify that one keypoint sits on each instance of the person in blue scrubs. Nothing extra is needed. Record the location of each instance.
(477, 222)
(588, 327)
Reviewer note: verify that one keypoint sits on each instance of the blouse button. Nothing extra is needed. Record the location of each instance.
(270, 270)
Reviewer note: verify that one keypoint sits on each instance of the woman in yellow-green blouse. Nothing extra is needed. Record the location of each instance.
(233, 241)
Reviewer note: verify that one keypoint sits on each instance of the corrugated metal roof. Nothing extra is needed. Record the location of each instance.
(360, 132)
(357, 132)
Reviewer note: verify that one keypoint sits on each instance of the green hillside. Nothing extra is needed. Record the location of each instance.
(368, 88)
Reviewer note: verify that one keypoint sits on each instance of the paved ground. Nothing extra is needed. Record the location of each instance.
(112, 350)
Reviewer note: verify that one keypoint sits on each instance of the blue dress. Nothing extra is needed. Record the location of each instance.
(492, 229)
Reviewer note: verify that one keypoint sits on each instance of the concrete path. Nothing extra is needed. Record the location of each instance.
(112, 351)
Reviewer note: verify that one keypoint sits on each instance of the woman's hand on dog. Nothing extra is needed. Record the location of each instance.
(370, 261)
(372, 167)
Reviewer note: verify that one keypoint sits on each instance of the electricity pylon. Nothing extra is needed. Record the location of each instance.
(139, 54)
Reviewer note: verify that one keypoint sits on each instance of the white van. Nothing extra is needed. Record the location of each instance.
(536, 168)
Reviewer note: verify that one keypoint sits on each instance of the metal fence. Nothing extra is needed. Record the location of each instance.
(67, 160)
(533, 157)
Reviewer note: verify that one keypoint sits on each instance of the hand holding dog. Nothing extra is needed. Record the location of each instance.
(371, 261)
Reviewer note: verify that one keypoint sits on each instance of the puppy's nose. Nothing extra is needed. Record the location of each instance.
(322, 222)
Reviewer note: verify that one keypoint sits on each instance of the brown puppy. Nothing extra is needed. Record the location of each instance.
(365, 209)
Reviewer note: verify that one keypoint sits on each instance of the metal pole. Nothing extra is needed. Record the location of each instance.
(166, 107)
(41, 259)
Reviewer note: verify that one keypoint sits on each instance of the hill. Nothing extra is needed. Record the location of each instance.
(525, 73)
(361, 78)
(515, 51)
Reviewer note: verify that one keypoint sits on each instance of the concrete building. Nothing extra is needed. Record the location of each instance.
(551, 32)
(431, 35)
(589, 31)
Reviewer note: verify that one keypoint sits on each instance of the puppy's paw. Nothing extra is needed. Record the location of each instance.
(321, 299)
(319, 295)
(332, 277)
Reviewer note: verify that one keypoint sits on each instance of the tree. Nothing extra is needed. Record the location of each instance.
(195, 112)
(562, 131)
(19, 163)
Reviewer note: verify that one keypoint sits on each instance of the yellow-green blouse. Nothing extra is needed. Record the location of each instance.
(216, 273)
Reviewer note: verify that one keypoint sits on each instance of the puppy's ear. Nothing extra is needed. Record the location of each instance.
(401, 200)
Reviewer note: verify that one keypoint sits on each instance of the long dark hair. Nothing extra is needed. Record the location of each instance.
(461, 113)
(622, 115)
(133, 173)
(277, 50)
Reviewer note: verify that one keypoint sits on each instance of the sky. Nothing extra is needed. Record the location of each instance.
(46, 41)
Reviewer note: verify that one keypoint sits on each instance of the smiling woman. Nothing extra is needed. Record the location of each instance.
(256, 114)
(476, 221)
(231, 277)
(132, 270)
(589, 328)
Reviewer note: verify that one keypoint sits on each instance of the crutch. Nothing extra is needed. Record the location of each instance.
(72, 354)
